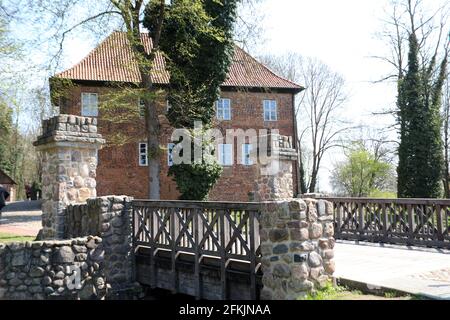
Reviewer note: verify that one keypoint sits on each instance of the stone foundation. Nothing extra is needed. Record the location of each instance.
(297, 247)
(71, 269)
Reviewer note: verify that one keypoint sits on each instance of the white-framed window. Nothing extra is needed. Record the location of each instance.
(143, 154)
(246, 154)
(270, 110)
(223, 107)
(226, 154)
(170, 147)
(89, 104)
(141, 105)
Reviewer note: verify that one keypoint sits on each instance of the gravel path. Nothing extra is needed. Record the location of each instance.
(21, 218)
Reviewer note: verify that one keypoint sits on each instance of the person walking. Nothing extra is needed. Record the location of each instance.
(4, 195)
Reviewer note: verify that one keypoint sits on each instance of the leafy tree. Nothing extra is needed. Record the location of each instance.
(197, 40)
(421, 148)
(419, 56)
(361, 174)
(6, 127)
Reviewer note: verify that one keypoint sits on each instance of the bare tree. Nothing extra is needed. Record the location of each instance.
(405, 17)
(56, 21)
(318, 110)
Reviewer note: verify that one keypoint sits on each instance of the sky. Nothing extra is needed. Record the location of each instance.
(342, 34)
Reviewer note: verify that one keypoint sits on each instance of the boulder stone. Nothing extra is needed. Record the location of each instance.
(280, 249)
(37, 272)
(315, 260)
(64, 255)
(281, 270)
(315, 231)
(278, 235)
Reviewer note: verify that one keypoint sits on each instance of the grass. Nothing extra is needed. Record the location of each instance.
(7, 237)
(330, 292)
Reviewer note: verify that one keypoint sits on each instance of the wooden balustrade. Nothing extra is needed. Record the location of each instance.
(419, 222)
(222, 230)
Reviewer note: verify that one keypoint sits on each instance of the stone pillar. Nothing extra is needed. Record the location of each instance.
(276, 178)
(296, 247)
(116, 232)
(69, 146)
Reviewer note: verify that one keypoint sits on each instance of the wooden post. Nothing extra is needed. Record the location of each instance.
(361, 218)
(385, 215)
(338, 216)
(173, 242)
(440, 223)
(196, 227)
(410, 224)
(223, 258)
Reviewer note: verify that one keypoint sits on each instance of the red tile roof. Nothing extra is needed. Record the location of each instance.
(112, 61)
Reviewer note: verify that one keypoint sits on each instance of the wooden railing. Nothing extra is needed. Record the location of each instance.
(222, 230)
(420, 222)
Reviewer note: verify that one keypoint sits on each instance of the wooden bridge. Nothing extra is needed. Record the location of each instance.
(209, 250)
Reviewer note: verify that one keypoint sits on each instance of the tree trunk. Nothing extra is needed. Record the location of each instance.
(301, 173)
(446, 174)
(145, 62)
(312, 185)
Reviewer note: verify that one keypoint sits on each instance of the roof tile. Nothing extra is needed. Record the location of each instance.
(112, 61)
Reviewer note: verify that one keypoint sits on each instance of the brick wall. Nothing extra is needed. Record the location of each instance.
(119, 171)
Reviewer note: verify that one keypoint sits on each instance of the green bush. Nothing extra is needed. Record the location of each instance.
(194, 181)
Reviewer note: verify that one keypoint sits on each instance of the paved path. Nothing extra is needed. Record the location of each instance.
(417, 271)
(21, 218)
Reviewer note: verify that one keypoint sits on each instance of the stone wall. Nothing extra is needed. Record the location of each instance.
(69, 146)
(109, 218)
(70, 269)
(297, 247)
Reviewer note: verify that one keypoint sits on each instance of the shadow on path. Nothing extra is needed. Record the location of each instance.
(23, 206)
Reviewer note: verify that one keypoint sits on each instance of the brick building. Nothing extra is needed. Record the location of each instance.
(253, 97)
(9, 184)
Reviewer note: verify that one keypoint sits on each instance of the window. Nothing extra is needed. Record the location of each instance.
(223, 109)
(89, 104)
(226, 154)
(168, 106)
(143, 155)
(246, 154)
(270, 110)
(141, 107)
(170, 147)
